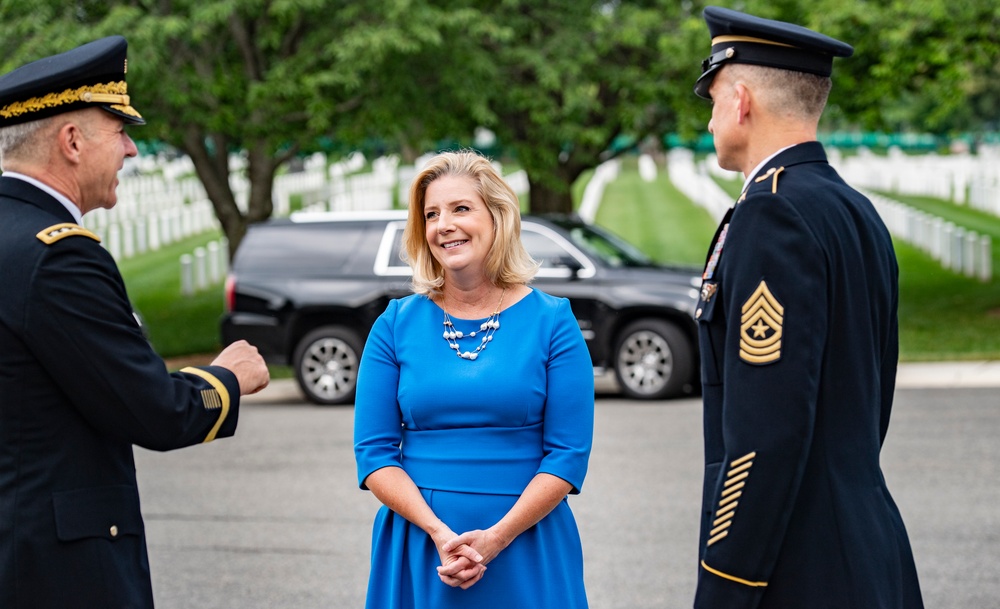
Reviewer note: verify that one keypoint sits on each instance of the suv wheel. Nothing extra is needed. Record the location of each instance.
(326, 364)
(652, 360)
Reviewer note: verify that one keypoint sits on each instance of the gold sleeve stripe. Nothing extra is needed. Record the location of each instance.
(721, 527)
(722, 519)
(717, 537)
(743, 459)
(729, 508)
(733, 481)
(732, 578)
(729, 500)
(733, 489)
(223, 394)
(736, 470)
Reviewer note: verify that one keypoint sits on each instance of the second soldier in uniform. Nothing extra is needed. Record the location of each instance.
(798, 333)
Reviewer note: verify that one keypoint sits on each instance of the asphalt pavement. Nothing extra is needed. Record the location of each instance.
(273, 517)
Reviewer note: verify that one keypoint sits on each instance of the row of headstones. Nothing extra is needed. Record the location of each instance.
(205, 267)
(694, 180)
(339, 187)
(963, 179)
(593, 192)
(153, 231)
(957, 249)
(387, 184)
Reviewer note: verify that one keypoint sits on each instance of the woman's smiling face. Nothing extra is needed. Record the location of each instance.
(458, 225)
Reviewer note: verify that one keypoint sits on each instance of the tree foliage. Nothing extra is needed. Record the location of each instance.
(578, 82)
(564, 84)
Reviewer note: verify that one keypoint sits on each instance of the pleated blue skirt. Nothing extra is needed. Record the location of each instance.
(542, 568)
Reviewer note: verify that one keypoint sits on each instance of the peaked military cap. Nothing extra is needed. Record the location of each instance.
(741, 38)
(89, 75)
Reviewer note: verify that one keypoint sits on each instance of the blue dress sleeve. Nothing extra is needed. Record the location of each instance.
(378, 420)
(569, 406)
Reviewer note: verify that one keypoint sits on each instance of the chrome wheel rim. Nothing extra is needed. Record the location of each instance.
(330, 368)
(645, 362)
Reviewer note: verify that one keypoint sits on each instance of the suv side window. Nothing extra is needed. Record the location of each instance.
(557, 256)
(388, 260)
(312, 248)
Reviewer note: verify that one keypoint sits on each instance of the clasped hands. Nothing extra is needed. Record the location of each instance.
(464, 557)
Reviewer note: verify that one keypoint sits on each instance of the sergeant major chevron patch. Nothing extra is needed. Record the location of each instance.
(760, 327)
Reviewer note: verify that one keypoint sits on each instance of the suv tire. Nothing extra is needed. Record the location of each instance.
(652, 360)
(326, 364)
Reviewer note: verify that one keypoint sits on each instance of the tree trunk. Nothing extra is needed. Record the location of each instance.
(212, 167)
(260, 172)
(545, 199)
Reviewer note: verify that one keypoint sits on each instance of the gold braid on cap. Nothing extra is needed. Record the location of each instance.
(724, 39)
(110, 93)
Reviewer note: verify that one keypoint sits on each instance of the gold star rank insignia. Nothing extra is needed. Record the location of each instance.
(760, 327)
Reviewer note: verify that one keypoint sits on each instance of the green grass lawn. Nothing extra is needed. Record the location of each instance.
(943, 316)
(176, 325)
(656, 217)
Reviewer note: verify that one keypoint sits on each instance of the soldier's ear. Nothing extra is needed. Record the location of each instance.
(69, 139)
(742, 99)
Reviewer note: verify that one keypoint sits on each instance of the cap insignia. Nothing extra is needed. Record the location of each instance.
(57, 232)
(761, 327)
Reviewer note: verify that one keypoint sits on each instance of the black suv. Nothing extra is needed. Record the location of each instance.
(306, 290)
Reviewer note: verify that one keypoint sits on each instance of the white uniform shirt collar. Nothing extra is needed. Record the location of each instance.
(58, 196)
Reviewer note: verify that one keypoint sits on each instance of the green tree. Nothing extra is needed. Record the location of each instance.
(262, 78)
(574, 83)
(929, 65)
(924, 65)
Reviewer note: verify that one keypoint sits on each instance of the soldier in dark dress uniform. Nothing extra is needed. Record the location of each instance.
(798, 333)
(79, 383)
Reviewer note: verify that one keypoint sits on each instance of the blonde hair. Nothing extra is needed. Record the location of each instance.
(507, 262)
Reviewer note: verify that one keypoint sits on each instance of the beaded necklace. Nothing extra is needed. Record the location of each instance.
(488, 328)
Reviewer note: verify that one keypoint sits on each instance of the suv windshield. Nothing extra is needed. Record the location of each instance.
(611, 249)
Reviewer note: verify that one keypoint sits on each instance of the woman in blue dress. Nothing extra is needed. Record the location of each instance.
(471, 432)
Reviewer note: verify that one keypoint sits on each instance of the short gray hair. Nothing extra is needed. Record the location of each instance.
(20, 140)
(796, 94)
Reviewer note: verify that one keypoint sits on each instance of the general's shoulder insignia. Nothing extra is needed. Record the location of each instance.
(760, 327)
(57, 232)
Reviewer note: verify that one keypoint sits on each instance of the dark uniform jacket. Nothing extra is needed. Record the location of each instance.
(799, 344)
(79, 385)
